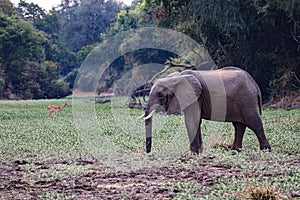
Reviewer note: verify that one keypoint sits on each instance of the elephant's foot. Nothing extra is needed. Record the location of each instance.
(266, 148)
(235, 147)
(196, 150)
(264, 144)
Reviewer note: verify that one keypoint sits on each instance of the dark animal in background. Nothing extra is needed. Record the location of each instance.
(141, 91)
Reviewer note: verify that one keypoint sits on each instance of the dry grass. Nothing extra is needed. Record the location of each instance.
(286, 102)
(218, 142)
(262, 191)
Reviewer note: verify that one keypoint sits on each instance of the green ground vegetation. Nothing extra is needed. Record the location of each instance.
(28, 133)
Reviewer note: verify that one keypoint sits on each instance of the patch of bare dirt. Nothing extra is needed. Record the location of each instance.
(101, 184)
(97, 183)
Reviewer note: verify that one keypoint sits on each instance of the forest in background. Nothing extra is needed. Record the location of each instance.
(41, 51)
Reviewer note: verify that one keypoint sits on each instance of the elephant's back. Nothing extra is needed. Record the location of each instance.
(231, 71)
(231, 68)
(228, 91)
(242, 93)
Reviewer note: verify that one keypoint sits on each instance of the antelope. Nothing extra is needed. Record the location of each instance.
(56, 109)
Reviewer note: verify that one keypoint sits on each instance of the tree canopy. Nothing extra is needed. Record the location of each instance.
(86, 21)
(41, 51)
(262, 37)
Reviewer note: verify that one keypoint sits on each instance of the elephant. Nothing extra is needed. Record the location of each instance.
(228, 94)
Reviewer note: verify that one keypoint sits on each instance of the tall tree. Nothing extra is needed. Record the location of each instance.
(49, 23)
(22, 61)
(260, 36)
(84, 23)
(6, 7)
(20, 45)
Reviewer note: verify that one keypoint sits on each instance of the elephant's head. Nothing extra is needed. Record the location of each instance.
(172, 95)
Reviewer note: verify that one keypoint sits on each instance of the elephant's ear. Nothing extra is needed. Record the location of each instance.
(174, 106)
(187, 90)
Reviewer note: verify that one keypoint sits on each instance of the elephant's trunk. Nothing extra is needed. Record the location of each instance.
(148, 125)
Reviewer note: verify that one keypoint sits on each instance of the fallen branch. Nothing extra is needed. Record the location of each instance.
(170, 65)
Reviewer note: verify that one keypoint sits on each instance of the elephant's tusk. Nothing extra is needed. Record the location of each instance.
(141, 117)
(150, 115)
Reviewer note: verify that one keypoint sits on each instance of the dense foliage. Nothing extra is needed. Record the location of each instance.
(40, 51)
(86, 21)
(262, 37)
(24, 72)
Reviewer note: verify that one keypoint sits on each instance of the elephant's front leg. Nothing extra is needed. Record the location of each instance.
(239, 129)
(192, 117)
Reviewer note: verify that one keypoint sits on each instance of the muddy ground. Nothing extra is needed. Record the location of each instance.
(97, 183)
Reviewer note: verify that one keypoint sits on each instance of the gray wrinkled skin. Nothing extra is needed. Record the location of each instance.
(226, 95)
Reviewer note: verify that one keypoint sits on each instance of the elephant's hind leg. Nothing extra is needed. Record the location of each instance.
(257, 127)
(239, 129)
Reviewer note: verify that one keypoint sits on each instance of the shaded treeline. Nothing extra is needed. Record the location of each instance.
(41, 52)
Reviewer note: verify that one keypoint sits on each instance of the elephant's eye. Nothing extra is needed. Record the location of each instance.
(161, 98)
(159, 95)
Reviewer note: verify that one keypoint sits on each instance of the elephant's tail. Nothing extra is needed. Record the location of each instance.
(259, 103)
